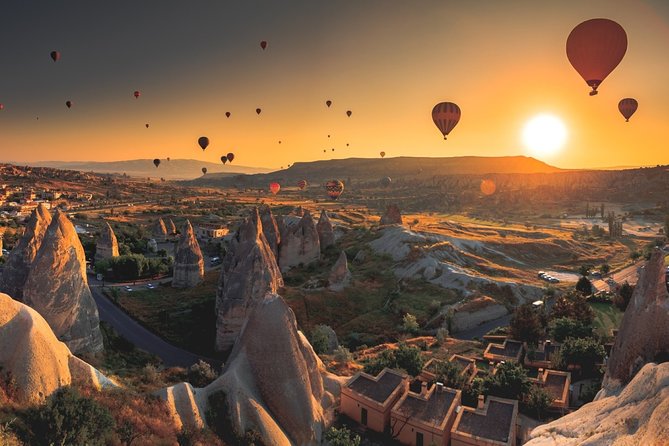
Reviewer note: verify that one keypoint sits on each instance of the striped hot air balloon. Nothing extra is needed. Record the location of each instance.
(627, 107)
(302, 184)
(446, 116)
(334, 188)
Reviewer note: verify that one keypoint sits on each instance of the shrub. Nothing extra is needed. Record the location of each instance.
(510, 381)
(585, 352)
(442, 335)
(405, 357)
(526, 324)
(537, 401)
(342, 355)
(565, 327)
(584, 286)
(341, 437)
(320, 339)
(623, 296)
(450, 374)
(201, 373)
(409, 323)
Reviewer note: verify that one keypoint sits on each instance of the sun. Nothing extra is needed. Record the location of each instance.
(544, 135)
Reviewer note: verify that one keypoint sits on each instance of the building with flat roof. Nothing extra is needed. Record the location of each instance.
(556, 384)
(425, 418)
(541, 356)
(492, 423)
(466, 365)
(369, 399)
(509, 350)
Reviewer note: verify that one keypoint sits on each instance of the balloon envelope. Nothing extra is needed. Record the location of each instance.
(385, 181)
(334, 188)
(488, 187)
(227, 114)
(68, 104)
(55, 55)
(137, 94)
(230, 156)
(2, 107)
(627, 107)
(156, 162)
(302, 184)
(595, 48)
(349, 113)
(204, 170)
(263, 44)
(147, 125)
(274, 188)
(258, 111)
(203, 142)
(328, 103)
(224, 159)
(446, 116)
(383, 154)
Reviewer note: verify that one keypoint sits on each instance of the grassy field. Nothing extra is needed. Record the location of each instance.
(607, 317)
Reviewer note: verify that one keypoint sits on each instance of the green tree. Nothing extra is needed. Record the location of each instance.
(584, 286)
(526, 324)
(565, 327)
(635, 255)
(201, 373)
(409, 359)
(321, 339)
(342, 355)
(450, 374)
(537, 401)
(341, 437)
(409, 323)
(586, 352)
(623, 296)
(605, 269)
(584, 270)
(510, 381)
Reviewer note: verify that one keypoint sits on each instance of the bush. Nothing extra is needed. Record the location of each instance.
(537, 401)
(341, 437)
(320, 339)
(573, 306)
(526, 325)
(585, 352)
(201, 373)
(409, 323)
(584, 286)
(405, 357)
(450, 374)
(565, 327)
(510, 381)
(442, 335)
(623, 296)
(342, 355)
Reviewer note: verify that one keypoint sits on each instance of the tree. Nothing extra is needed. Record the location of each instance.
(635, 255)
(584, 270)
(526, 324)
(450, 374)
(537, 401)
(409, 323)
(510, 381)
(442, 335)
(605, 269)
(405, 357)
(342, 355)
(201, 373)
(623, 296)
(564, 327)
(341, 437)
(586, 352)
(584, 286)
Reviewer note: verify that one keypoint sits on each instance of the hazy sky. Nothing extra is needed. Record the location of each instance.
(389, 61)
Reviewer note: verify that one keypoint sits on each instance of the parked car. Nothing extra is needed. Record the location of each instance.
(127, 288)
(150, 286)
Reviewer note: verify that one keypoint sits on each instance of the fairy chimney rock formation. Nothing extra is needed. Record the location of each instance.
(299, 243)
(106, 246)
(270, 229)
(171, 227)
(325, 231)
(392, 216)
(57, 288)
(249, 272)
(188, 260)
(159, 231)
(22, 256)
(340, 276)
(635, 343)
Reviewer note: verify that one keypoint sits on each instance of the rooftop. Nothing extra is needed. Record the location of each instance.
(555, 384)
(509, 349)
(431, 408)
(493, 423)
(377, 388)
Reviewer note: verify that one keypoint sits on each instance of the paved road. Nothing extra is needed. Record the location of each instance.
(629, 274)
(140, 336)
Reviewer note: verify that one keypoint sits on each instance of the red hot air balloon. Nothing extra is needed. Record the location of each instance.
(595, 48)
(302, 184)
(68, 104)
(383, 154)
(156, 162)
(230, 156)
(446, 116)
(488, 187)
(203, 142)
(227, 114)
(224, 159)
(258, 111)
(328, 103)
(274, 188)
(2, 106)
(349, 113)
(204, 170)
(55, 55)
(627, 107)
(137, 94)
(263, 44)
(334, 188)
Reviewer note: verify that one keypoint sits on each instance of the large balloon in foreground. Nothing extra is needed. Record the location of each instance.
(204, 170)
(203, 141)
(263, 44)
(55, 55)
(302, 184)
(446, 116)
(227, 114)
(328, 103)
(224, 159)
(156, 162)
(274, 188)
(68, 104)
(595, 48)
(137, 94)
(383, 154)
(230, 156)
(258, 110)
(627, 107)
(334, 188)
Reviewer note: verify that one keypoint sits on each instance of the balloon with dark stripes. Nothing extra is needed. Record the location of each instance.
(627, 107)
(446, 116)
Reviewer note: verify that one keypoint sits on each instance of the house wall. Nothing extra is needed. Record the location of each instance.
(377, 419)
(407, 435)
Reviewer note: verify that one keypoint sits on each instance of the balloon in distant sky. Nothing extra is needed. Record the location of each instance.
(346, 144)
(203, 141)
(302, 184)
(279, 142)
(446, 116)
(627, 107)
(55, 55)
(334, 188)
(204, 170)
(263, 44)
(383, 154)
(385, 181)
(2, 107)
(147, 125)
(274, 188)
(168, 158)
(227, 114)
(595, 48)
(324, 150)
(258, 110)
(333, 149)
(156, 162)
(230, 156)
(488, 187)
(69, 104)
(328, 103)
(137, 94)
(224, 159)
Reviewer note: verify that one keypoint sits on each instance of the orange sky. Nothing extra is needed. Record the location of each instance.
(389, 62)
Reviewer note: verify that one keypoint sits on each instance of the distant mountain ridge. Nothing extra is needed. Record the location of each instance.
(175, 169)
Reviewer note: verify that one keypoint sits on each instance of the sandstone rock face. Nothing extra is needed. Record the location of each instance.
(1, 237)
(638, 415)
(171, 227)
(106, 246)
(340, 276)
(249, 272)
(326, 235)
(22, 256)
(392, 216)
(159, 231)
(270, 229)
(188, 261)
(57, 288)
(644, 332)
(299, 243)
(38, 362)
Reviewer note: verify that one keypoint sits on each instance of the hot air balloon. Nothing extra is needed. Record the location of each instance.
(168, 158)
(204, 170)
(258, 111)
(279, 142)
(334, 188)
(302, 184)
(147, 125)
(349, 113)
(227, 114)
(446, 116)
(333, 149)
(346, 144)
(488, 187)
(263, 44)
(68, 104)
(230, 156)
(156, 162)
(328, 136)
(595, 48)
(328, 103)
(385, 181)
(274, 188)
(224, 159)
(383, 154)
(203, 141)
(137, 94)
(2, 106)
(627, 107)
(55, 55)
(324, 150)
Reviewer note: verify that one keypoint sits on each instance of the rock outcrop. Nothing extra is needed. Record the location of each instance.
(188, 260)
(1, 239)
(340, 276)
(22, 256)
(34, 359)
(637, 415)
(270, 229)
(249, 272)
(392, 216)
(159, 231)
(299, 243)
(643, 335)
(325, 230)
(106, 246)
(57, 288)
(171, 227)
